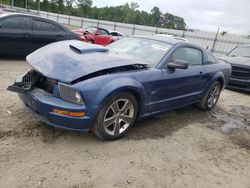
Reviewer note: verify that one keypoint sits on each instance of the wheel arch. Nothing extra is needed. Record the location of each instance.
(122, 85)
(219, 76)
(221, 80)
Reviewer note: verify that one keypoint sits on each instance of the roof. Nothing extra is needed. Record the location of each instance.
(247, 45)
(6, 13)
(162, 39)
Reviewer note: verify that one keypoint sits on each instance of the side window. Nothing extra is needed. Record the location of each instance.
(114, 34)
(211, 59)
(192, 55)
(102, 32)
(44, 26)
(16, 22)
(59, 28)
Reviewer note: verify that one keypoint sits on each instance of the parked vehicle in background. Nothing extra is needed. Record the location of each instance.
(21, 34)
(239, 58)
(116, 35)
(95, 35)
(173, 37)
(81, 86)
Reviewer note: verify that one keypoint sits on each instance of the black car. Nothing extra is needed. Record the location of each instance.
(239, 58)
(21, 34)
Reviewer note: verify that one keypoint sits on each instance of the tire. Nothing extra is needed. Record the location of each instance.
(211, 97)
(119, 113)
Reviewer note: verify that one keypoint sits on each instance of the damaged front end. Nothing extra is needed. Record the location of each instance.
(42, 97)
(25, 83)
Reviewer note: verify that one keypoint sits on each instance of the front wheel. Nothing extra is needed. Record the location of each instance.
(211, 97)
(116, 117)
(91, 41)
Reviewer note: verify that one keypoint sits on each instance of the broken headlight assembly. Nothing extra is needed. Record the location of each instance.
(69, 94)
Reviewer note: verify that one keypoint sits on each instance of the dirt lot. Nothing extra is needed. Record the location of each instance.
(183, 148)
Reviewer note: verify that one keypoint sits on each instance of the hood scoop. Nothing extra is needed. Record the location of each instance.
(83, 47)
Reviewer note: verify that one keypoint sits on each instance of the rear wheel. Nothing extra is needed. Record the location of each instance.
(211, 97)
(116, 117)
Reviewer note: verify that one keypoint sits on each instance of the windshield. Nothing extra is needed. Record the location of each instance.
(240, 51)
(146, 50)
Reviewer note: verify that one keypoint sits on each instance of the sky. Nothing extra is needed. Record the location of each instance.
(232, 16)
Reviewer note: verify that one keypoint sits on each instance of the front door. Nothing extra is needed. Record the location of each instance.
(179, 87)
(102, 37)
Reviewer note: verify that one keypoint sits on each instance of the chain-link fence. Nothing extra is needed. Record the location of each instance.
(214, 41)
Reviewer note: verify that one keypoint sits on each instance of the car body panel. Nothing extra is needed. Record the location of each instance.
(240, 79)
(72, 64)
(95, 37)
(156, 89)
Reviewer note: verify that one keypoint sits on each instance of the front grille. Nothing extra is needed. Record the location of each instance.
(240, 72)
(28, 80)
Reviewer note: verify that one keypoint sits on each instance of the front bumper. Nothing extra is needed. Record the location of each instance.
(42, 104)
(239, 84)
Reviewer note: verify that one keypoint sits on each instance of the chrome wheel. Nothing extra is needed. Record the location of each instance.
(213, 96)
(118, 117)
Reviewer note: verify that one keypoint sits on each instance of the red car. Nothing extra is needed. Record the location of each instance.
(95, 35)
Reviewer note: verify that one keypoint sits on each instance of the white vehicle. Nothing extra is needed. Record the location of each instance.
(116, 35)
(172, 36)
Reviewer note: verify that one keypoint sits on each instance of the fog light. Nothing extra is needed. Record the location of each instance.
(68, 113)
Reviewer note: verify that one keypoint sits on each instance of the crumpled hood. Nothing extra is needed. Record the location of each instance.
(61, 62)
(237, 60)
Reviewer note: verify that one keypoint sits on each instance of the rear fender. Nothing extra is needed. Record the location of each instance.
(219, 76)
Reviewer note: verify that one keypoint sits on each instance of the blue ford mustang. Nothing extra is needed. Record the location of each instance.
(80, 86)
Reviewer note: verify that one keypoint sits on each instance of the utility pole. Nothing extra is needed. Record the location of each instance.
(12, 3)
(26, 4)
(216, 36)
(38, 6)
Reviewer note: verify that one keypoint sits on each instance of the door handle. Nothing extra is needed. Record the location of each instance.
(26, 35)
(60, 36)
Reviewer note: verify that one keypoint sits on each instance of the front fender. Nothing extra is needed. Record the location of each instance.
(119, 85)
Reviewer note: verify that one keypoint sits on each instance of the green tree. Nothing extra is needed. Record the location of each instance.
(84, 6)
(155, 16)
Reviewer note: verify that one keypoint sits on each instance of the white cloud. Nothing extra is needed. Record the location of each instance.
(230, 15)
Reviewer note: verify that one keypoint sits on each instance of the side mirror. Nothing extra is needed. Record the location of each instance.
(178, 64)
(97, 34)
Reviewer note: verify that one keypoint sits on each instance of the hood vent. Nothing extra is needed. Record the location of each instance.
(87, 48)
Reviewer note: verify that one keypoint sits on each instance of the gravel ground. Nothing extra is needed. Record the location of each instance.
(182, 148)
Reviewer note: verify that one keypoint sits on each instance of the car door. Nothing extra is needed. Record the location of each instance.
(45, 32)
(102, 37)
(16, 35)
(179, 87)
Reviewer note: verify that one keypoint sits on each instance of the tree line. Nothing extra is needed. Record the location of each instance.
(127, 13)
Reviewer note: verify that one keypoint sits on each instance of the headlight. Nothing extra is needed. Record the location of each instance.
(69, 94)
